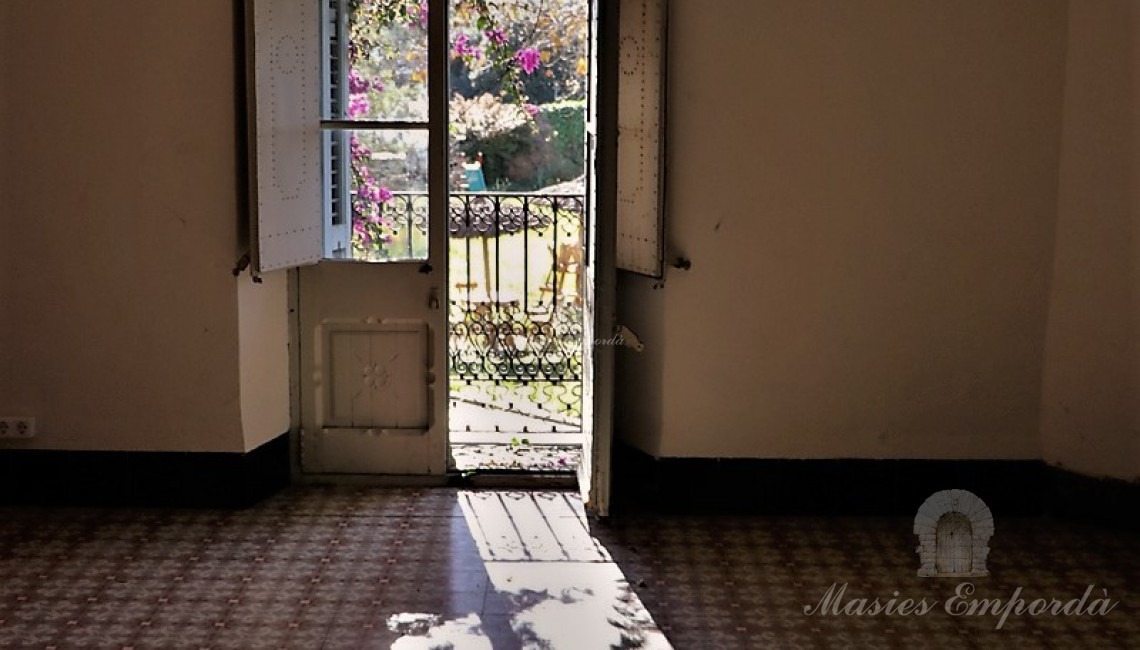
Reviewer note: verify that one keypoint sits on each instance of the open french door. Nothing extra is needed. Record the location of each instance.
(372, 327)
(607, 54)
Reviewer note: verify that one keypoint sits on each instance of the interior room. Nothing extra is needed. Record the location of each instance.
(894, 349)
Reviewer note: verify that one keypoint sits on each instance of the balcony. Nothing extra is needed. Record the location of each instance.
(516, 306)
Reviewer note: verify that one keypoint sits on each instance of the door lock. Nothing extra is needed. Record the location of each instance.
(433, 298)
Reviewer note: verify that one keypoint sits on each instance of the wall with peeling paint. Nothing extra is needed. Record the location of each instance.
(867, 192)
(1091, 403)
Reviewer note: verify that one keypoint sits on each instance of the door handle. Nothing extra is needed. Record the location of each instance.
(433, 298)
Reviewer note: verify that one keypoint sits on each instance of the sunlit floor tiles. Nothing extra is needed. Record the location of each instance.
(332, 568)
(319, 568)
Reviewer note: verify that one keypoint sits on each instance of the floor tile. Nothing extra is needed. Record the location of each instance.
(318, 566)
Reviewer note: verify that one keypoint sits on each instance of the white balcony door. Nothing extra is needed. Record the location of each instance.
(372, 335)
(372, 362)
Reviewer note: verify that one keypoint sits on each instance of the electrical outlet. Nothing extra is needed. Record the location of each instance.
(17, 427)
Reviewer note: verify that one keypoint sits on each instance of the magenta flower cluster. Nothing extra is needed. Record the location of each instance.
(369, 195)
(496, 36)
(464, 49)
(358, 89)
(419, 15)
(528, 59)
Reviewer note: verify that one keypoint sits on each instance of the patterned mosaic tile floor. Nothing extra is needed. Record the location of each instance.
(331, 568)
(749, 582)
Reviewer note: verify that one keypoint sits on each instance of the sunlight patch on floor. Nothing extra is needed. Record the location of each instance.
(552, 581)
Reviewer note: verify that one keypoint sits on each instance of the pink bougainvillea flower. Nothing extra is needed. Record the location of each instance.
(358, 105)
(464, 49)
(361, 231)
(529, 59)
(371, 192)
(460, 48)
(356, 83)
(496, 36)
(419, 15)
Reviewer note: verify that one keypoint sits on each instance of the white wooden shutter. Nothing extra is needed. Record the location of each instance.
(284, 84)
(338, 218)
(640, 148)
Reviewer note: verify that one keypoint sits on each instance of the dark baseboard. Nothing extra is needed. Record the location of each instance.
(143, 478)
(1102, 501)
(862, 487)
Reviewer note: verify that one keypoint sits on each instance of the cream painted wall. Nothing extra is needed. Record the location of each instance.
(867, 193)
(1091, 404)
(120, 320)
(264, 358)
(639, 377)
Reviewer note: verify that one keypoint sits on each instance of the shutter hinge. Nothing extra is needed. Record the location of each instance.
(245, 262)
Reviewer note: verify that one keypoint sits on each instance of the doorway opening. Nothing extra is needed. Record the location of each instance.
(519, 253)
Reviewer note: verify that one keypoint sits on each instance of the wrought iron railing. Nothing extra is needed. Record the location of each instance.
(517, 263)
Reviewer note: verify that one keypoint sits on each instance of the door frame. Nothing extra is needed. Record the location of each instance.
(596, 488)
(605, 224)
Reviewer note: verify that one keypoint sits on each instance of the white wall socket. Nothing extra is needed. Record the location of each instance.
(17, 427)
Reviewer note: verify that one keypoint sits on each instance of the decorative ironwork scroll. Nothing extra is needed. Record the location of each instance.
(517, 263)
(516, 328)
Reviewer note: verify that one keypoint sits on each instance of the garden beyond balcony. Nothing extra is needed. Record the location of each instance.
(516, 305)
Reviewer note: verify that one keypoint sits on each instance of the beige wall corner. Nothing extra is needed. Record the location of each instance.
(119, 316)
(264, 342)
(1091, 387)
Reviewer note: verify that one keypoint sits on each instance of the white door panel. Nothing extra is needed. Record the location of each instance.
(373, 335)
(374, 373)
(366, 451)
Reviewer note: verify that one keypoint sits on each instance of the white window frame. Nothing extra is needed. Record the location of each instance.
(291, 160)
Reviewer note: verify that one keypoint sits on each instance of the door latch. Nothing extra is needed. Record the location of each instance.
(433, 298)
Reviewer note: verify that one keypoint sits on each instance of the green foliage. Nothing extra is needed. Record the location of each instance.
(519, 154)
(484, 117)
(567, 125)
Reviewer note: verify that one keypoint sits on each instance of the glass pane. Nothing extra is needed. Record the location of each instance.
(385, 76)
(516, 248)
(517, 101)
(388, 195)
